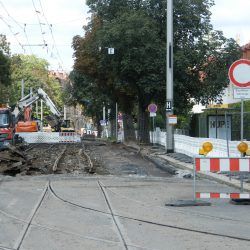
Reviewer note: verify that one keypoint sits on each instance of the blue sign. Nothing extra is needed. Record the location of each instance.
(103, 122)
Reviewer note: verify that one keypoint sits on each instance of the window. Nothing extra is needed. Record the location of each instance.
(4, 120)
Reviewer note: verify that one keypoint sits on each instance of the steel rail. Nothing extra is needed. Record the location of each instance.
(151, 222)
(19, 241)
(55, 165)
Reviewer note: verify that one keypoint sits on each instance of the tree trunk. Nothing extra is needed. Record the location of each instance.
(143, 122)
(128, 126)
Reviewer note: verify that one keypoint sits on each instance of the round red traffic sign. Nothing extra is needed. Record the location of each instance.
(239, 73)
(152, 108)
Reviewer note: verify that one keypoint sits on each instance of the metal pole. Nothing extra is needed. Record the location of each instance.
(36, 109)
(153, 131)
(227, 133)
(64, 112)
(194, 180)
(242, 119)
(116, 121)
(169, 76)
(216, 124)
(103, 113)
(104, 119)
(42, 115)
(22, 90)
(241, 138)
(31, 94)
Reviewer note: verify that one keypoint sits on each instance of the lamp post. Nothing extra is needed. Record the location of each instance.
(169, 78)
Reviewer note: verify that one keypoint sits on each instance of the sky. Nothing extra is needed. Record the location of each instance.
(46, 27)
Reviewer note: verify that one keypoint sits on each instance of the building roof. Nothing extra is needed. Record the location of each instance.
(246, 47)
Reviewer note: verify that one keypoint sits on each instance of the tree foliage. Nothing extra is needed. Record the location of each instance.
(34, 72)
(4, 68)
(135, 75)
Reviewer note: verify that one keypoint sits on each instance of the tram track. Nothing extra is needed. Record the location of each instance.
(21, 237)
(48, 189)
(151, 222)
(44, 159)
(82, 157)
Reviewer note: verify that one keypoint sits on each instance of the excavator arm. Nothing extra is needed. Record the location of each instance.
(28, 100)
(23, 105)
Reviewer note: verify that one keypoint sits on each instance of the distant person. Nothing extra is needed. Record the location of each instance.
(27, 113)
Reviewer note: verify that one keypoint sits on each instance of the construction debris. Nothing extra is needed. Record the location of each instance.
(12, 160)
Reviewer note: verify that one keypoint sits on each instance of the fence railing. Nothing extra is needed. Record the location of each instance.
(190, 145)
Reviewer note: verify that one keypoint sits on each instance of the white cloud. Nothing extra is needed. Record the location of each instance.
(232, 17)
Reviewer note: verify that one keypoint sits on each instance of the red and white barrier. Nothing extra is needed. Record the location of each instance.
(213, 195)
(222, 164)
(68, 137)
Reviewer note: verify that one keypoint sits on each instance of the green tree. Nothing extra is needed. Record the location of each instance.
(34, 72)
(136, 73)
(4, 69)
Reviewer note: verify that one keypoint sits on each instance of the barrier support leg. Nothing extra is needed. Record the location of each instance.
(194, 181)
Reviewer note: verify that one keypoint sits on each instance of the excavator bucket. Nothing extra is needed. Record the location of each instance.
(29, 126)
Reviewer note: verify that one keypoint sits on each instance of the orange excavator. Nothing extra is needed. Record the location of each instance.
(29, 125)
(11, 123)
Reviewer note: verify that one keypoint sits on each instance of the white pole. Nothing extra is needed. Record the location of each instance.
(22, 90)
(116, 121)
(64, 112)
(42, 115)
(103, 113)
(169, 77)
(36, 109)
(242, 120)
(104, 120)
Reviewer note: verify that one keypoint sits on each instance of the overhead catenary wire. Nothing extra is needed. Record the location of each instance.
(13, 33)
(53, 24)
(40, 24)
(43, 32)
(52, 35)
(19, 25)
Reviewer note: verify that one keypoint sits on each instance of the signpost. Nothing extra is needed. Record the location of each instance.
(239, 74)
(102, 122)
(168, 106)
(152, 108)
(241, 93)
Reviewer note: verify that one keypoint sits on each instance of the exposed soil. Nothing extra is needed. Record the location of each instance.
(118, 159)
(88, 157)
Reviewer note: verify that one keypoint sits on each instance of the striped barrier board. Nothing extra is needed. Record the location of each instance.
(222, 164)
(212, 195)
(68, 137)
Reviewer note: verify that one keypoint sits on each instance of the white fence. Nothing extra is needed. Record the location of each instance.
(53, 137)
(190, 145)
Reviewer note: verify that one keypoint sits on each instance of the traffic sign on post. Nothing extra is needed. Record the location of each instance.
(239, 73)
(152, 108)
(172, 119)
(169, 106)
